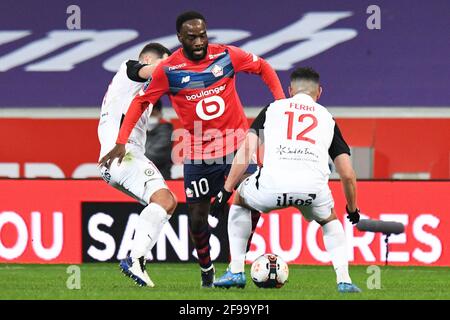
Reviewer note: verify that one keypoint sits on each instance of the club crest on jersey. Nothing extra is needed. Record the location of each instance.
(189, 193)
(105, 174)
(149, 172)
(217, 71)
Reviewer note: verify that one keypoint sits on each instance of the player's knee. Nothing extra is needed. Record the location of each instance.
(238, 200)
(165, 199)
(170, 203)
(198, 216)
(197, 224)
(330, 218)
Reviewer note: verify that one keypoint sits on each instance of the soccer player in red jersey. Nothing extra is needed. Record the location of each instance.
(199, 79)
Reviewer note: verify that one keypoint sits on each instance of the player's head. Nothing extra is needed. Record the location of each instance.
(305, 80)
(156, 111)
(191, 32)
(153, 51)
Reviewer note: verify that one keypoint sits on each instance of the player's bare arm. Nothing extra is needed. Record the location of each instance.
(146, 71)
(348, 179)
(238, 168)
(241, 161)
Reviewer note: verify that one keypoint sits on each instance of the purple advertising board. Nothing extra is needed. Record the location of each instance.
(382, 53)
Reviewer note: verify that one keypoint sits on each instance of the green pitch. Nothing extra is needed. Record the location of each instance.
(182, 281)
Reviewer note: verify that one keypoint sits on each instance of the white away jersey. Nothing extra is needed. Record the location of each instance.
(121, 92)
(299, 136)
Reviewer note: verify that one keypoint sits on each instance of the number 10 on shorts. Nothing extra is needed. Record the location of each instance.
(200, 187)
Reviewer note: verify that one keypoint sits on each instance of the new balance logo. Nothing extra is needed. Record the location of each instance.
(186, 79)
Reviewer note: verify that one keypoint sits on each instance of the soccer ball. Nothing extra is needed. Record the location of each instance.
(269, 271)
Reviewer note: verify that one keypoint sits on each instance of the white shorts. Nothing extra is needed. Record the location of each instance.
(313, 206)
(136, 176)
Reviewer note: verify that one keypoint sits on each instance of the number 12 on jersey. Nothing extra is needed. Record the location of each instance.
(301, 135)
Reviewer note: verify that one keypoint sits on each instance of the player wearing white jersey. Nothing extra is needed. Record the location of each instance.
(299, 136)
(136, 175)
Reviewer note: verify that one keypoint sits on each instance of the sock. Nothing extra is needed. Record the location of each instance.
(150, 223)
(201, 241)
(239, 231)
(255, 219)
(335, 243)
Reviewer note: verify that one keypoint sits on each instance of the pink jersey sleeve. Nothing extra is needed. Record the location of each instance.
(159, 85)
(249, 62)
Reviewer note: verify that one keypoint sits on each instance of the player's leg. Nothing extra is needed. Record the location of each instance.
(255, 214)
(151, 220)
(138, 177)
(246, 199)
(200, 233)
(202, 181)
(239, 232)
(322, 211)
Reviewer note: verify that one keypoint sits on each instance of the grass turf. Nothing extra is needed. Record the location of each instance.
(180, 281)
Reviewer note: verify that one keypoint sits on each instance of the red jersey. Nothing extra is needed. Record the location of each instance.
(203, 94)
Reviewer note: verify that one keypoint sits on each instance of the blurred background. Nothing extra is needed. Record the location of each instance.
(384, 68)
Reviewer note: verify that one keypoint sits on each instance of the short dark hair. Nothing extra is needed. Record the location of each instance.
(155, 47)
(157, 105)
(306, 73)
(186, 16)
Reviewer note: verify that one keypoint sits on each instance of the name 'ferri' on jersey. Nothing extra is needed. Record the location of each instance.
(298, 133)
(116, 102)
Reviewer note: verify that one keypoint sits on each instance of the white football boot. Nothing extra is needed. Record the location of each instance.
(135, 269)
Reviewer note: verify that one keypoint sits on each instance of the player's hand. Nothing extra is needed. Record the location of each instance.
(219, 203)
(353, 217)
(118, 151)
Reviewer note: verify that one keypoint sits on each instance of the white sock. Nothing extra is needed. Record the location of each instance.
(239, 231)
(150, 222)
(335, 243)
